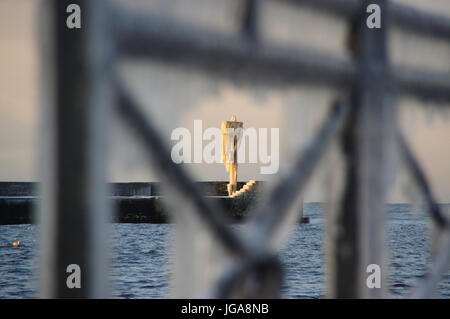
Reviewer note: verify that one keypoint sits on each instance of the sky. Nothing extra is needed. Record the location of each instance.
(296, 111)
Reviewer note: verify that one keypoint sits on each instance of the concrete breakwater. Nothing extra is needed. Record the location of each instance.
(131, 202)
(24, 189)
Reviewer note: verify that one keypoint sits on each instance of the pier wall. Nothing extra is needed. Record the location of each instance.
(132, 202)
(21, 189)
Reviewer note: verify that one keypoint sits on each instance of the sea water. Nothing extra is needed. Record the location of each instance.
(140, 257)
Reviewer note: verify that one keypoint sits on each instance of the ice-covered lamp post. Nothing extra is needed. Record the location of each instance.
(231, 137)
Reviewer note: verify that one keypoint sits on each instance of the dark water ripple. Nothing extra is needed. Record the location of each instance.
(17, 265)
(140, 258)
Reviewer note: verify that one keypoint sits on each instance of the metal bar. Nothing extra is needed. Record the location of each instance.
(237, 58)
(357, 240)
(441, 263)
(422, 182)
(250, 20)
(344, 8)
(276, 208)
(440, 266)
(420, 21)
(214, 216)
(226, 55)
(432, 86)
(73, 226)
(264, 272)
(400, 15)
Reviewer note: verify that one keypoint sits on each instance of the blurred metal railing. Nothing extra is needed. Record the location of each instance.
(364, 120)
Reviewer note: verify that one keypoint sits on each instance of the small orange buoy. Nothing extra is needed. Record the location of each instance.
(16, 243)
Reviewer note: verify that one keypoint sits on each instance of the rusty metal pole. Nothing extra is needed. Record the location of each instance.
(359, 237)
(74, 209)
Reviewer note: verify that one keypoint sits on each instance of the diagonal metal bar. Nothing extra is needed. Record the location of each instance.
(268, 274)
(213, 215)
(442, 262)
(421, 181)
(275, 210)
(439, 267)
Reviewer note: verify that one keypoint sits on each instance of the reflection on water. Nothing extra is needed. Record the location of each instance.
(140, 258)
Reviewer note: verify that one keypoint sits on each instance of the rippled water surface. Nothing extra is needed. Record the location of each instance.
(140, 257)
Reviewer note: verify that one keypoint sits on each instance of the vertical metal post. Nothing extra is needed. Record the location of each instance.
(74, 194)
(359, 237)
